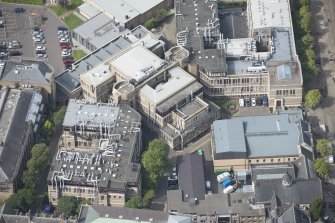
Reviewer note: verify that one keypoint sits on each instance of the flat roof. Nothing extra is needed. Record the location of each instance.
(274, 13)
(125, 10)
(143, 63)
(88, 9)
(97, 75)
(81, 111)
(70, 79)
(191, 108)
(99, 30)
(178, 80)
(258, 136)
(238, 47)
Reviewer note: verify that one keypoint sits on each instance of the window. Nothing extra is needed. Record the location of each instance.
(249, 161)
(289, 159)
(69, 143)
(278, 160)
(257, 161)
(120, 197)
(264, 160)
(271, 160)
(102, 198)
(114, 196)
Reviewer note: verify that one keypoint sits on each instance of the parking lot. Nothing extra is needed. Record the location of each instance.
(19, 27)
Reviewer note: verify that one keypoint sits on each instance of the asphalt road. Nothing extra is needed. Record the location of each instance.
(20, 28)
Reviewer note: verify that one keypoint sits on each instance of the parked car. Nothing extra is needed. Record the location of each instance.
(64, 40)
(63, 28)
(15, 53)
(65, 46)
(38, 36)
(229, 189)
(39, 41)
(43, 48)
(265, 100)
(253, 102)
(63, 36)
(66, 50)
(68, 66)
(67, 61)
(247, 102)
(19, 10)
(222, 177)
(70, 57)
(42, 54)
(241, 102)
(14, 44)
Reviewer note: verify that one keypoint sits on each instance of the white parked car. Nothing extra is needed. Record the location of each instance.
(42, 48)
(45, 55)
(65, 53)
(63, 36)
(64, 40)
(241, 102)
(38, 41)
(253, 102)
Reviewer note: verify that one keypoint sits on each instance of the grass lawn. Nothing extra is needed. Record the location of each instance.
(229, 105)
(72, 21)
(28, 2)
(60, 10)
(78, 54)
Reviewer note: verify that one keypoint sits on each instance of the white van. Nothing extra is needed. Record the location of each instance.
(228, 189)
(241, 102)
(208, 185)
(223, 176)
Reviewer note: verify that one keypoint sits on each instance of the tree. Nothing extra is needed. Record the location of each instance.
(135, 202)
(151, 23)
(58, 116)
(154, 160)
(148, 196)
(324, 147)
(312, 98)
(47, 130)
(40, 157)
(67, 205)
(305, 18)
(317, 208)
(30, 179)
(22, 200)
(308, 41)
(321, 167)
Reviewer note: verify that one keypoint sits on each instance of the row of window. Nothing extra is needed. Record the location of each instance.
(273, 160)
(285, 92)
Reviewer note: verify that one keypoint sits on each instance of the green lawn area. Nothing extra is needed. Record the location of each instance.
(78, 54)
(72, 21)
(60, 10)
(28, 2)
(228, 106)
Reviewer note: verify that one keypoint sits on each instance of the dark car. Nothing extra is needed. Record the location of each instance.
(14, 53)
(64, 28)
(68, 66)
(19, 10)
(265, 100)
(69, 57)
(68, 61)
(247, 102)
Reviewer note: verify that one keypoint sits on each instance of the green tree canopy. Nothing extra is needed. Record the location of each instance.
(308, 40)
(40, 157)
(48, 130)
(154, 160)
(150, 23)
(67, 205)
(324, 147)
(321, 167)
(135, 202)
(312, 98)
(83, 202)
(58, 116)
(22, 200)
(317, 208)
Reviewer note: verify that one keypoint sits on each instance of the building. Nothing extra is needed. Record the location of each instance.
(98, 154)
(8, 215)
(105, 29)
(279, 186)
(293, 214)
(129, 13)
(191, 197)
(68, 82)
(264, 62)
(28, 74)
(20, 116)
(94, 213)
(239, 142)
(171, 104)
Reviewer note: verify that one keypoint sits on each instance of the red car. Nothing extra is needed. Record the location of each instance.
(64, 46)
(67, 61)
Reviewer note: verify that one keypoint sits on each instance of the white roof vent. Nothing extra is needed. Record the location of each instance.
(16, 71)
(120, 217)
(137, 219)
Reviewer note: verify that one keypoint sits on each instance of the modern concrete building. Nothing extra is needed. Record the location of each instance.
(241, 141)
(29, 74)
(20, 116)
(129, 13)
(263, 63)
(68, 83)
(95, 214)
(97, 31)
(171, 104)
(98, 154)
